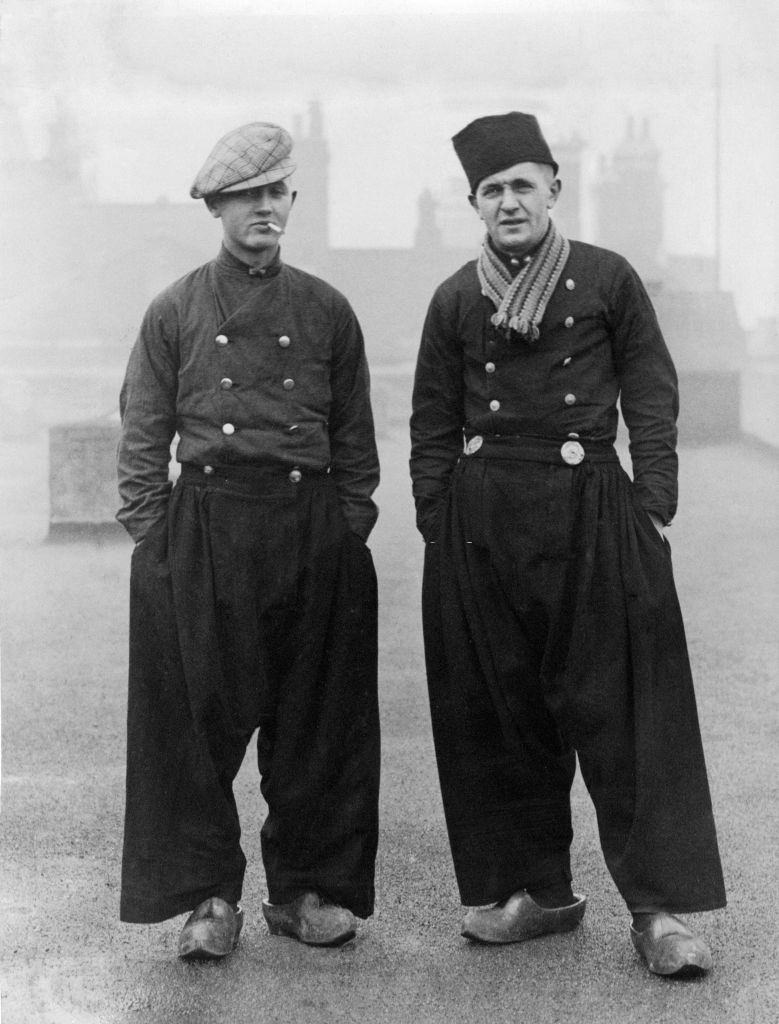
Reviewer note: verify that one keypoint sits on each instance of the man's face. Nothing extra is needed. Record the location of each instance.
(247, 215)
(514, 205)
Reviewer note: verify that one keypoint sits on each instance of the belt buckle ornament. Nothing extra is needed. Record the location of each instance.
(572, 453)
(474, 445)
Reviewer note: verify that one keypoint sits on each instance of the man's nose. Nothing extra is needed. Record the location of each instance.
(508, 198)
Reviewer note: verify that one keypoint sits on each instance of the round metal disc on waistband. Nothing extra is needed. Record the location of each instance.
(474, 445)
(572, 453)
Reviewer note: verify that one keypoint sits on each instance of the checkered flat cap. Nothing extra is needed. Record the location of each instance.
(254, 154)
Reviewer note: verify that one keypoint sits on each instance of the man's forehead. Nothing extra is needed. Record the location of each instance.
(527, 170)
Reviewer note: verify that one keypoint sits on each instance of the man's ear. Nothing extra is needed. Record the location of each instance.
(555, 189)
(294, 197)
(474, 204)
(214, 207)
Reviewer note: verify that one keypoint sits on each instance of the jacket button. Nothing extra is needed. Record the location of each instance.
(489, 367)
(494, 405)
(570, 285)
(570, 399)
(569, 321)
(208, 470)
(284, 341)
(288, 384)
(228, 428)
(293, 428)
(566, 361)
(295, 476)
(225, 383)
(221, 339)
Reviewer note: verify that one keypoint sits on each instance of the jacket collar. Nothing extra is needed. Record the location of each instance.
(226, 261)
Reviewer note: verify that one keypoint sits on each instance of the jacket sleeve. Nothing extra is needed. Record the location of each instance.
(649, 395)
(354, 461)
(437, 413)
(147, 404)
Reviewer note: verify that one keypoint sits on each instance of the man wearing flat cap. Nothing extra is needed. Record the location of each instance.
(552, 626)
(253, 594)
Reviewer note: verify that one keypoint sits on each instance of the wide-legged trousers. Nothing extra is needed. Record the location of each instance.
(253, 606)
(552, 629)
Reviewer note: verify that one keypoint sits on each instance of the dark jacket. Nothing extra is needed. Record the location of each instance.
(600, 342)
(264, 370)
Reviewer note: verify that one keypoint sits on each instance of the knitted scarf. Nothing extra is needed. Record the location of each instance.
(521, 302)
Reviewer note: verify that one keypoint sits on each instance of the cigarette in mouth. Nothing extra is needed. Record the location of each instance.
(276, 228)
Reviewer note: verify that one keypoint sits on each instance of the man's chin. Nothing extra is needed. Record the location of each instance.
(264, 243)
(514, 243)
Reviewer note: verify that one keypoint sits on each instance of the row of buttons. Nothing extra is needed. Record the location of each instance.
(222, 340)
(294, 476)
(226, 383)
(490, 367)
(229, 428)
(570, 399)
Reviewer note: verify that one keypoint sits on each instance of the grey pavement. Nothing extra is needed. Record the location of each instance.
(67, 960)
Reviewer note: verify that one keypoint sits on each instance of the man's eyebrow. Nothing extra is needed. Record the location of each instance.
(513, 183)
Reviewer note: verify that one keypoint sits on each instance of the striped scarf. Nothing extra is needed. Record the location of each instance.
(521, 302)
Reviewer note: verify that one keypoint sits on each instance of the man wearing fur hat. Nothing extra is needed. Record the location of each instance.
(253, 594)
(552, 627)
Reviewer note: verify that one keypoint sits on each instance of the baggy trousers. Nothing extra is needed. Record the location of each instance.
(552, 629)
(252, 607)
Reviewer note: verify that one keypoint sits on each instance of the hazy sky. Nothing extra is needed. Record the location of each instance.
(151, 85)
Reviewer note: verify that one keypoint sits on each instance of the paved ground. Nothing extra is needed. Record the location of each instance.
(66, 959)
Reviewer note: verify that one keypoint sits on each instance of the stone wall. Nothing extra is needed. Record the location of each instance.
(82, 478)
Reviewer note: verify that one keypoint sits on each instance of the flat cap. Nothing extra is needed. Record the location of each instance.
(250, 156)
(491, 144)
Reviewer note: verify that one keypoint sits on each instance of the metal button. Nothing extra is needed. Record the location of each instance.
(474, 445)
(208, 470)
(221, 339)
(284, 341)
(228, 428)
(489, 367)
(566, 361)
(225, 383)
(293, 428)
(570, 285)
(288, 384)
(569, 321)
(570, 399)
(295, 476)
(572, 453)
(494, 405)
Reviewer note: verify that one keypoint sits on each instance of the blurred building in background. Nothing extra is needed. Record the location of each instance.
(78, 274)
